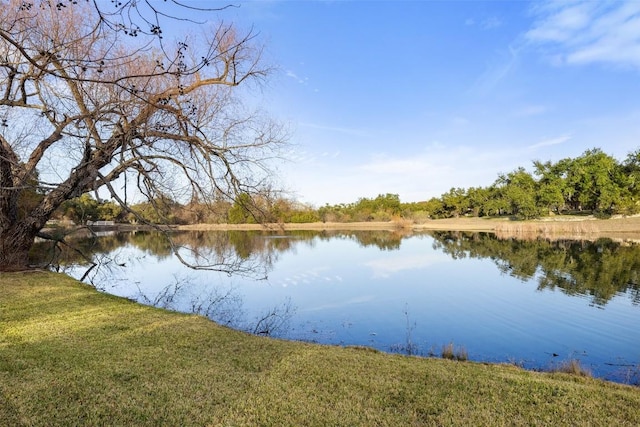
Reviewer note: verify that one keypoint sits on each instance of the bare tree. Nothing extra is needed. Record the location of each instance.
(93, 99)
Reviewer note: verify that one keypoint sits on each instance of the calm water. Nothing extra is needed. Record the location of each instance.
(531, 303)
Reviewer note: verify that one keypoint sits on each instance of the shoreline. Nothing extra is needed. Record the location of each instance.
(582, 228)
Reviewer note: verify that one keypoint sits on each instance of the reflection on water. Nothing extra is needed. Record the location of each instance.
(528, 302)
(600, 270)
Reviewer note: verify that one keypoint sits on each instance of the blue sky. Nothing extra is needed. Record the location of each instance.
(417, 97)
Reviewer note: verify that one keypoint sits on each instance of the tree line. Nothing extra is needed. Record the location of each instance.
(592, 183)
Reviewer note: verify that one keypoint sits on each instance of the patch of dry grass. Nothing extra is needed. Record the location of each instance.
(582, 228)
(450, 352)
(573, 367)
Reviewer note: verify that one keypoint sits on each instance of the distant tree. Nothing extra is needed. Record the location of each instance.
(455, 202)
(551, 185)
(109, 211)
(520, 189)
(30, 197)
(81, 209)
(594, 178)
(159, 210)
(478, 200)
(241, 212)
(435, 208)
(497, 204)
(630, 173)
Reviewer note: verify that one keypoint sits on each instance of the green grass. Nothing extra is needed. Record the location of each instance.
(70, 355)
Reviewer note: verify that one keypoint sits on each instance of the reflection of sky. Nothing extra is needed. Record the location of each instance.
(344, 293)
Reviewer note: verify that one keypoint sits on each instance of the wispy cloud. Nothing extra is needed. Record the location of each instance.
(331, 155)
(294, 76)
(497, 70)
(338, 129)
(488, 23)
(382, 164)
(550, 141)
(578, 32)
(530, 111)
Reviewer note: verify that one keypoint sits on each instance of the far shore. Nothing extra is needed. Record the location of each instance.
(560, 227)
(457, 224)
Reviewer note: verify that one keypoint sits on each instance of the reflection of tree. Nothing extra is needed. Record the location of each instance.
(151, 242)
(249, 253)
(383, 239)
(80, 253)
(245, 244)
(600, 270)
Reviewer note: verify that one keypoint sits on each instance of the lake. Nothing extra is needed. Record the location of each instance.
(532, 303)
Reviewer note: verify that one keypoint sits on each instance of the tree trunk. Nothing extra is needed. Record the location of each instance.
(15, 243)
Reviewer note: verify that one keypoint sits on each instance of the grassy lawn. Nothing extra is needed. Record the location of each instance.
(70, 355)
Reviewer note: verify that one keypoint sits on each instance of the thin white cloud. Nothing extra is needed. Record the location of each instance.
(589, 32)
(382, 164)
(490, 23)
(338, 129)
(460, 121)
(294, 76)
(332, 155)
(550, 141)
(497, 71)
(531, 110)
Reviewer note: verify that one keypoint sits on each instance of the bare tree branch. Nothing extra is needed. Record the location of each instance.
(106, 95)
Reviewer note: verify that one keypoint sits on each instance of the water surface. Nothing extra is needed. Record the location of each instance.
(535, 304)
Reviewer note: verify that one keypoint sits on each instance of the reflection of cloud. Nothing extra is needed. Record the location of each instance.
(385, 267)
(588, 32)
(551, 141)
(312, 276)
(356, 300)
